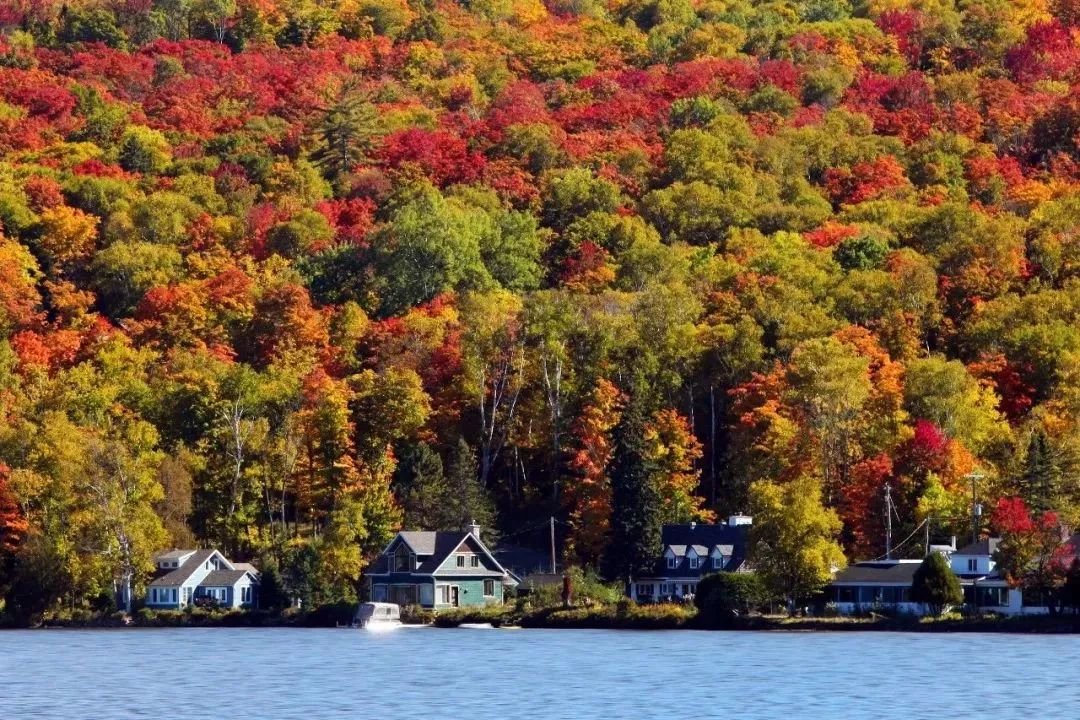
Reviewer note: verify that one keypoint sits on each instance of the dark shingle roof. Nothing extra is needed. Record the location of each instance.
(731, 540)
(521, 560)
(987, 546)
(886, 571)
(222, 578)
(179, 576)
(172, 555)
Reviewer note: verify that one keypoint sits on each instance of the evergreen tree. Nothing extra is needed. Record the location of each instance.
(421, 484)
(1039, 483)
(345, 135)
(435, 498)
(935, 585)
(635, 512)
(469, 502)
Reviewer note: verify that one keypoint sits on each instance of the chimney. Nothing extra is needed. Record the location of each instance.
(474, 530)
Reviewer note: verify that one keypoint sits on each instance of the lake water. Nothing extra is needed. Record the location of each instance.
(496, 674)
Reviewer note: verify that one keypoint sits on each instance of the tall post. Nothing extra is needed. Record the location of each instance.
(552, 544)
(888, 521)
(975, 509)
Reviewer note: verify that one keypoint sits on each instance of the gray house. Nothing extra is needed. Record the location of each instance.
(191, 577)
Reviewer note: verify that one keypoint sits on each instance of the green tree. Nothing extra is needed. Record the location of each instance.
(1041, 475)
(635, 503)
(429, 247)
(722, 596)
(144, 150)
(345, 134)
(935, 585)
(793, 539)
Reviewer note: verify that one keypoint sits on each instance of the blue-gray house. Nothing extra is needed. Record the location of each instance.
(193, 577)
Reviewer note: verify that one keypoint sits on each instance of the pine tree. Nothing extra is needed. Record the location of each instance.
(935, 585)
(469, 502)
(635, 513)
(345, 134)
(1039, 483)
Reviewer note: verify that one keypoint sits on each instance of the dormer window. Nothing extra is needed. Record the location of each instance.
(694, 562)
(671, 563)
(402, 560)
(718, 562)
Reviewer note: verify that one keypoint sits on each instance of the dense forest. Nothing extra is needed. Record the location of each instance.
(283, 276)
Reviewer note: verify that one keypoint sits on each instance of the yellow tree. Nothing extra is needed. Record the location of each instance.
(588, 494)
(673, 450)
(793, 543)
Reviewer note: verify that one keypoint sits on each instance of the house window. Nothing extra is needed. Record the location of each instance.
(402, 561)
(671, 563)
(489, 588)
(718, 562)
(973, 565)
(644, 589)
(474, 561)
(461, 561)
(694, 563)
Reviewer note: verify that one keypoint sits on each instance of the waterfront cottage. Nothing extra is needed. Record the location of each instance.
(196, 577)
(438, 570)
(885, 585)
(689, 553)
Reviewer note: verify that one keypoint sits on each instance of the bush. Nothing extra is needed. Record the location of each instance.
(587, 588)
(935, 585)
(723, 596)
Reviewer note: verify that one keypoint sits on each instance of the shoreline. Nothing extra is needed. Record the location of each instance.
(597, 617)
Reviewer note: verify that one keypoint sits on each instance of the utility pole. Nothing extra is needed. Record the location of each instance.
(976, 510)
(929, 522)
(552, 544)
(888, 521)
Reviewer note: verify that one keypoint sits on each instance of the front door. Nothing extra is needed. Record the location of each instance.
(454, 596)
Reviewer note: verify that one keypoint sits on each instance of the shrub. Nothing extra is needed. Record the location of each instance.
(723, 596)
(935, 585)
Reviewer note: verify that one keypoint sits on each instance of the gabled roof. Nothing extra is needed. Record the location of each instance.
(223, 578)
(180, 575)
(172, 555)
(987, 546)
(422, 542)
(433, 548)
(730, 540)
(893, 572)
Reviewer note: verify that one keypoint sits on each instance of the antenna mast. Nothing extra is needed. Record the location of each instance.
(888, 521)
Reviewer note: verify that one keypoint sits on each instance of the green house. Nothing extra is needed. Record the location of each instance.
(438, 570)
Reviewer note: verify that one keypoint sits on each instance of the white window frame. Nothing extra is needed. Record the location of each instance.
(474, 560)
(486, 593)
(694, 562)
(718, 562)
(671, 563)
(461, 561)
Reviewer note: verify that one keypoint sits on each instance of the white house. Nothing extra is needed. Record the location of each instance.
(886, 584)
(186, 577)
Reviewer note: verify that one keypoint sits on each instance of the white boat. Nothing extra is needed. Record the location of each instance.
(378, 616)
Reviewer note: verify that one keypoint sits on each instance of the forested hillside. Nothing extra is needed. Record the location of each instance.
(282, 276)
